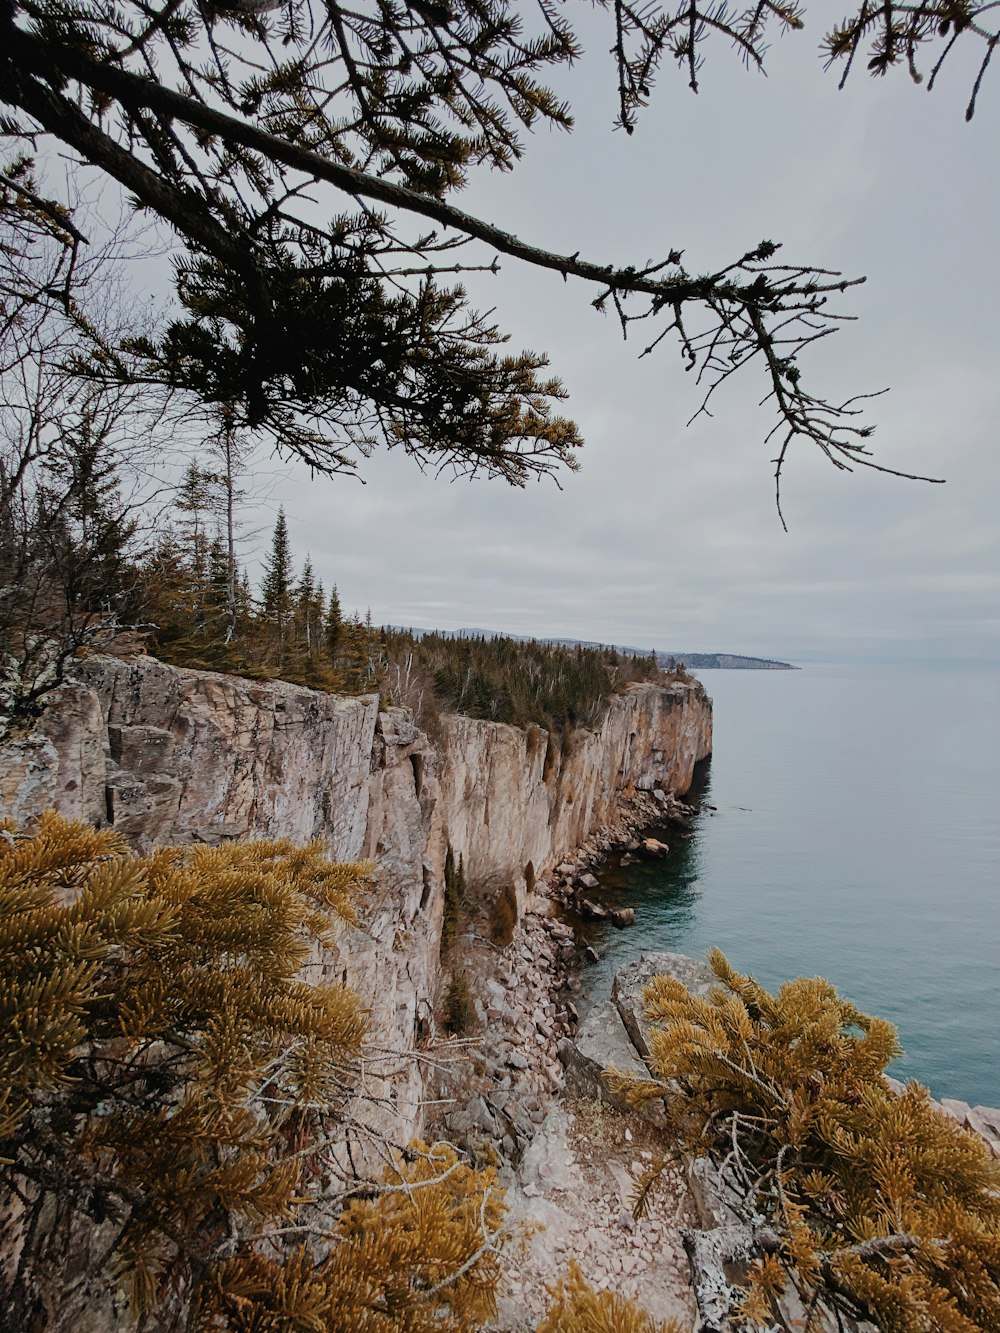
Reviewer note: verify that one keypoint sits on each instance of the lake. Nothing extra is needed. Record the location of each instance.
(857, 837)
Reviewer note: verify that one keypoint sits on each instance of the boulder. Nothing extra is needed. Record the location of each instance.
(957, 1110)
(622, 916)
(634, 977)
(653, 847)
(591, 955)
(594, 911)
(989, 1118)
(601, 1042)
(588, 881)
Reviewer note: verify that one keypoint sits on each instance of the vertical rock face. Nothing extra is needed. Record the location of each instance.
(176, 756)
(512, 796)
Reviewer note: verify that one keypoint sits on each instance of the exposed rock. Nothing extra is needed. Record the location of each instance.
(588, 881)
(622, 916)
(594, 911)
(981, 1120)
(631, 980)
(600, 1043)
(653, 847)
(167, 755)
(574, 1189)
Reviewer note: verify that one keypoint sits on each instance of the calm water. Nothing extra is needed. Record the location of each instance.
(857, 836)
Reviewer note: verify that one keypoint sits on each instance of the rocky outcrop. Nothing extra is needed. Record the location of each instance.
(166, 755)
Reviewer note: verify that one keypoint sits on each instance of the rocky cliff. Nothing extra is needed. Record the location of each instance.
(177, 756)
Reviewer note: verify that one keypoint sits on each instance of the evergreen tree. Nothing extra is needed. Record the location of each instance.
(305, 608)
(276, 589)
(871, 1203)
(170, 1086)
(297, 318)
(195, 503)
(332, 627)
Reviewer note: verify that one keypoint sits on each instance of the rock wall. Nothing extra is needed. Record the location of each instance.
(176, 756)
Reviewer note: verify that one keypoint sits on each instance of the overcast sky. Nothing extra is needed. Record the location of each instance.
(668, 536)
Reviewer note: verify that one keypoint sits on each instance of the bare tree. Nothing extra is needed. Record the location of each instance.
(78, 479)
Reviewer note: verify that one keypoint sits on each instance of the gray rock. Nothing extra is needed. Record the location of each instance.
(594, 911)
(600, 1043)
(956, 1109)
(632, 979)
(589, 881)
(989, 1117)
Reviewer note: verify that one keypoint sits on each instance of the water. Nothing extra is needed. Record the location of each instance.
(857, 837)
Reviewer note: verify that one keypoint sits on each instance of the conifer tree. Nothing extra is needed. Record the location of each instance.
(305, 597)
(297, 316)
(195, 502)
(276, 589)
(332, 627)
(317, 610)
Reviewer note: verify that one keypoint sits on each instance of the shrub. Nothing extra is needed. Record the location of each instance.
(169, 1083)
(421, 1257)
(503, 916)
(454, 897)
(533, 741)
(577, 1308)
(876, 1205)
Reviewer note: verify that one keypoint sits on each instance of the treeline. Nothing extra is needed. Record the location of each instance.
(204, 612)
(82, 569)
(509, 680)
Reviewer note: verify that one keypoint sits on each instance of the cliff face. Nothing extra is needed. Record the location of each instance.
(176, 756)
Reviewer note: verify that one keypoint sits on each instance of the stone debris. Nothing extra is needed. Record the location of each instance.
(575, 1185)
(512, 1064)
(592, 911)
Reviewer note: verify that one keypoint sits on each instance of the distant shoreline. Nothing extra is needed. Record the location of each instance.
(696, 661)
(723, 662)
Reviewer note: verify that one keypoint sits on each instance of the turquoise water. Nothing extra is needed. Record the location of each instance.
(857, 837)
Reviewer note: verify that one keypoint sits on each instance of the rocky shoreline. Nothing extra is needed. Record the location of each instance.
(525, 1019)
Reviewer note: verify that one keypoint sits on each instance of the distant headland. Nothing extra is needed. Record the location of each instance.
(695, 661)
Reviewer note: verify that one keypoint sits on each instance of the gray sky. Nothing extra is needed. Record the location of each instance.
(668, 536)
